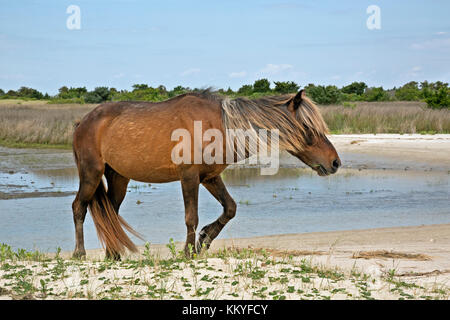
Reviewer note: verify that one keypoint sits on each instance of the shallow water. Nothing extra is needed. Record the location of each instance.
(36, 207)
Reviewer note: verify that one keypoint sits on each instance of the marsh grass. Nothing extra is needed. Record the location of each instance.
(229, 273)
(38, 124)
(386, 117)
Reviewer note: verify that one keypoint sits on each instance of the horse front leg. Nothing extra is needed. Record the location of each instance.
(189, 185)
(209, 232)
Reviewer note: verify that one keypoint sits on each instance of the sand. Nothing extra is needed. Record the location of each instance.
(420, 251)
(385, 263)
(387, 152)
(395, 151)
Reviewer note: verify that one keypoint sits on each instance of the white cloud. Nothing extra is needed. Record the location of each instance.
(240, 74)
(414, 72)
(432, 44)
(12, 76)
(441, 33)
(190, 71)
(272, 69)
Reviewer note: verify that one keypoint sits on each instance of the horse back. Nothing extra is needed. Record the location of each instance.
(134, 138)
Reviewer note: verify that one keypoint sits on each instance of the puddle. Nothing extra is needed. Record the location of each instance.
(35, 203)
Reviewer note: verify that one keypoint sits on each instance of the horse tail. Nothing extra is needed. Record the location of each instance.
(109, 224)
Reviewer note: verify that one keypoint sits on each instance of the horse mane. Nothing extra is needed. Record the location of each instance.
(271, 113)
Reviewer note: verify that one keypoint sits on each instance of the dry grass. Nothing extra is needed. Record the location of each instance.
(286, 253)
(390, 255)
(386, 117)
(37, 124)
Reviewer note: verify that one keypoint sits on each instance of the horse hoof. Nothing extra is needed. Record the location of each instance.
(113, 256)
(189, 253)
(204, 241)
(79, 255)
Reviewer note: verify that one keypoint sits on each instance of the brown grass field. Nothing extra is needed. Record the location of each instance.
(39, 124)
(36, 123)
(386, 117)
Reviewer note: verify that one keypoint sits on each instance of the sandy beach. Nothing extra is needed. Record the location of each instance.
(388, 263)
(421, 249)
(395, 151)
(420, 254)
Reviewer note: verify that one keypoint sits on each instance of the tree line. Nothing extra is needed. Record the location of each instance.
(435, 94)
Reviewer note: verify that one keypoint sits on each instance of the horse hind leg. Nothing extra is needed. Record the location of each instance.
(89, 182)
(209, 232)
(117, 189)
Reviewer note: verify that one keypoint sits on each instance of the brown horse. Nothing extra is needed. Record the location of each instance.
(132, 140)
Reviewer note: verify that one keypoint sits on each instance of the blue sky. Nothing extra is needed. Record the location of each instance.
(221, 43)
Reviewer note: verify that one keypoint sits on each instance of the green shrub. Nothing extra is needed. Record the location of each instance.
(376, 94)
(324, 95)
(408, 92)
(246, 89)
(351, 97)
(92, 97)
(261, 85)
(439, 99)
(70, 93)
(355, 88)
(103, 93)
(25, 92)
(284, 87)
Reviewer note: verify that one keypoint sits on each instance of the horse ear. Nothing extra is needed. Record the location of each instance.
(297, 100)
